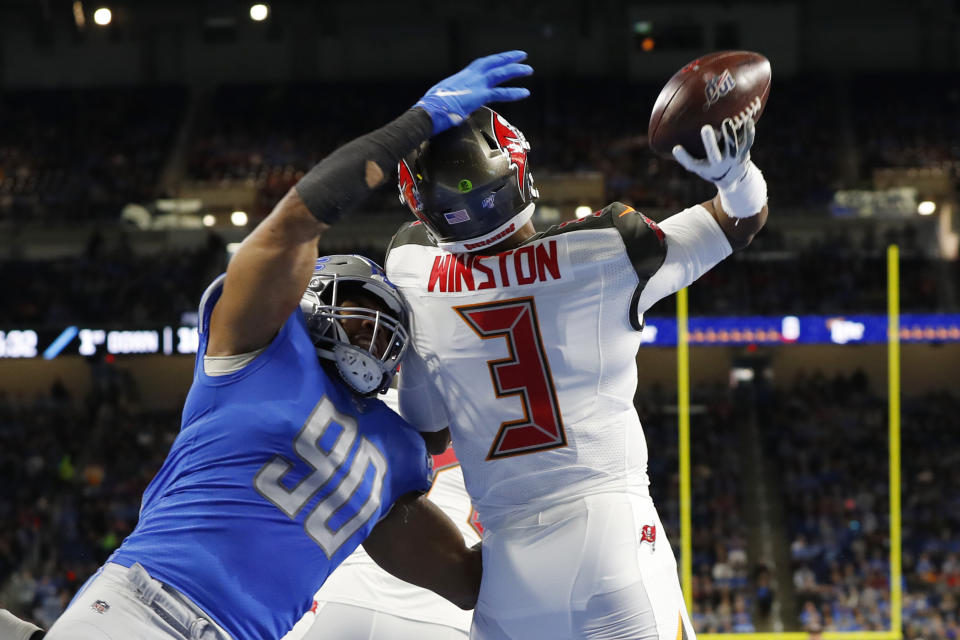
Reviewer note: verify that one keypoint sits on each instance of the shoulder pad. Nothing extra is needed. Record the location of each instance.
(414, 232)
(644, 240)
(646, 245)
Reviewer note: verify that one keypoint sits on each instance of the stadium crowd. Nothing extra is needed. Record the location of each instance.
(71, 500)
(729, 593)
(837, 503)
(62, 155)
(829, 275)
(111, 283)
(62, 160)
(72, 168)
(73, 471)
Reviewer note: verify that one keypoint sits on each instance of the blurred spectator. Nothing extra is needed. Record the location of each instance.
(830, 443)
(73, 474)
(724, 592)
(109, 285)
(77, 154)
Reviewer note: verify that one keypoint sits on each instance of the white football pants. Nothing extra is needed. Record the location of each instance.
(118, 602)
(596, 568)
(336, 621)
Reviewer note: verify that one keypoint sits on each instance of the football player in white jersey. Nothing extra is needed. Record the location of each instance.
(361, 601)
(526, 345)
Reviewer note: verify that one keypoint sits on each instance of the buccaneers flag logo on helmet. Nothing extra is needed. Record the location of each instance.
(514, 144)
(409, 194)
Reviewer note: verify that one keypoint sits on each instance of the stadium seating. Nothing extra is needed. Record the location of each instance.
(77, 155)
(829, 438)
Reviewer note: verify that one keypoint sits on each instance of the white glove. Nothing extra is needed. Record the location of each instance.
(743, 191)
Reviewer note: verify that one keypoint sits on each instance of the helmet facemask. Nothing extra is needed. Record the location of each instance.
(362, 367)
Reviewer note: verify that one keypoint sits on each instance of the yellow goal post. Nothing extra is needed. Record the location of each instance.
(893, 428)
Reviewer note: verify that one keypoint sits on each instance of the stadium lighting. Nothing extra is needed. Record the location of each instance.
(102, 16)
(926, 207)
(582, 211)
(208, 220)
(238, 218)
(78, 18)
(259, 12)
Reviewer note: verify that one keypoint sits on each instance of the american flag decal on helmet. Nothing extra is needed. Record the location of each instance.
(455, 217)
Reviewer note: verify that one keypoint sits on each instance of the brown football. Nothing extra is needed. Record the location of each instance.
(726, 84)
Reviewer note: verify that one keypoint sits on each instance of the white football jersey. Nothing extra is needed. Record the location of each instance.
(530, 355)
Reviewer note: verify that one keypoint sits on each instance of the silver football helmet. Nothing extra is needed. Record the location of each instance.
(335, 279)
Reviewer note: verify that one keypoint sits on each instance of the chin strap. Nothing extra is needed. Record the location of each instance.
(360, 370)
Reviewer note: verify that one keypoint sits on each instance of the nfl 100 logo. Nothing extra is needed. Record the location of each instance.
(718, 86)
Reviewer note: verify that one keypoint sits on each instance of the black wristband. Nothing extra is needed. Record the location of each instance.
(339, 182)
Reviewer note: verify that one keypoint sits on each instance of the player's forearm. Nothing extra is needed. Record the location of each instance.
(739, 231)
(419, 544)
(696, 242)
(272, 267)
(347, 176)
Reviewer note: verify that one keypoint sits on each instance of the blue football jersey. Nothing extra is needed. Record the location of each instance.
(276, 476)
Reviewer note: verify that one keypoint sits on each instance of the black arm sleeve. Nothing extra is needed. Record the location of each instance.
(339, 183)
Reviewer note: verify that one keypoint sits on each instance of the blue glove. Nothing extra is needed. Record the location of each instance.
(451, 100)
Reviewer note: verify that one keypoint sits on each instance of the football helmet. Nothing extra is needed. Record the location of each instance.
(470, 185)
(335, 279)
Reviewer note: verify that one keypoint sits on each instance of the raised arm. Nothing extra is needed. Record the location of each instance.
(419, 544)
(740, 206)
(271, 269)
(698, 238)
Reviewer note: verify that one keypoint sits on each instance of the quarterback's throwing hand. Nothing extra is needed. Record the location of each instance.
(722, 168)
(743, 191)
(451, 100)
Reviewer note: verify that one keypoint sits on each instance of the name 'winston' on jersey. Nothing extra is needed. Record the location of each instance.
(530, 355)
(278, 473)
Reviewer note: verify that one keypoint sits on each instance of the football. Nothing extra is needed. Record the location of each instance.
(726, 84)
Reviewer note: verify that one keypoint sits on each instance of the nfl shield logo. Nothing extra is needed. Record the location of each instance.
(100, 606)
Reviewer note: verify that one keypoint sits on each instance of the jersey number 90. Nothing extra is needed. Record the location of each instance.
(326, 451)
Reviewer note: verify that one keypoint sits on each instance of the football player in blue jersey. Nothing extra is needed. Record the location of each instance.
(286, 461)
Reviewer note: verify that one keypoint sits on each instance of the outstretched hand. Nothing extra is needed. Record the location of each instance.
(451, 100)
(723, 168)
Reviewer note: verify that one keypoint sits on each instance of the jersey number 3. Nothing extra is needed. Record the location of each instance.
(324, 443)
(525, 372)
